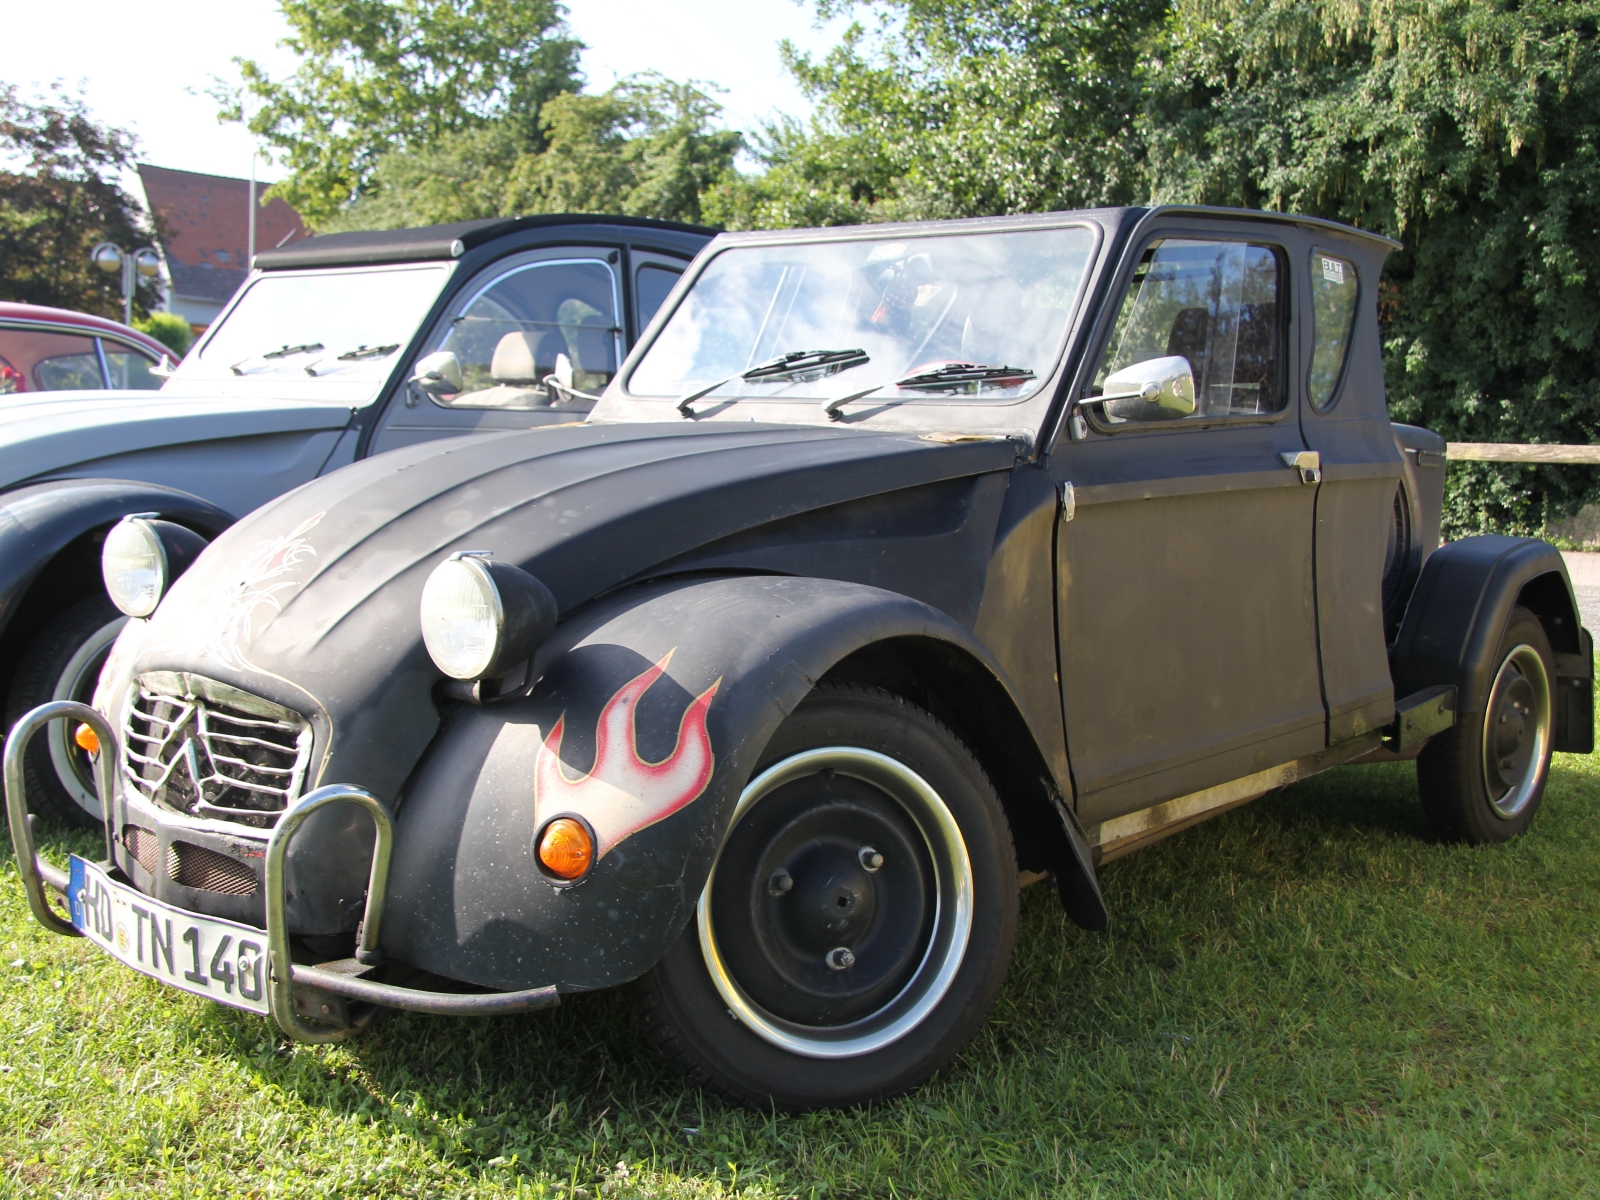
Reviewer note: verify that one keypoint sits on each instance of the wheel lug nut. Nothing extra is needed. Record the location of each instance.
(780, 883)
(839, 958)
(870, 858)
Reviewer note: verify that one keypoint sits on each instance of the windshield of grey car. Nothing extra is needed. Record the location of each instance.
(979, 316)
(347, 326)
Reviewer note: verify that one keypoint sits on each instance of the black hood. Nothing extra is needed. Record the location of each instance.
(313, 600)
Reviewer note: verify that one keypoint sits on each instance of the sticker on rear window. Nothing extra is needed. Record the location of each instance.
(1333, 270)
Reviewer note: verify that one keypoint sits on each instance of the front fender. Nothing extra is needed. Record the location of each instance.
(467, 899)
(37, 522)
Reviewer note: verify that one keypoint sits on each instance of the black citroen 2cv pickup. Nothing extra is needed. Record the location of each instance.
(899, 564)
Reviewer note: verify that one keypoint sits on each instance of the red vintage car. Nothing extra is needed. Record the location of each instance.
(52, 350)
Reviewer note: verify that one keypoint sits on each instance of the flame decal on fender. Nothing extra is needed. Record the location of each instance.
(622, 793)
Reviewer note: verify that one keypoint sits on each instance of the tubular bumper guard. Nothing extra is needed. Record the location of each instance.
(38, 875)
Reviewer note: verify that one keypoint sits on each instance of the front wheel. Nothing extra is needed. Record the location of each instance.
(859, 919)
(63, 663)
(1482, 781)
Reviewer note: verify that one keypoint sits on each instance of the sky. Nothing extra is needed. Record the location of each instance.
(156, 82)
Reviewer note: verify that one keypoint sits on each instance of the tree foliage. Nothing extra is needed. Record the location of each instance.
(60, 195)
(377, 76)
(644, 148)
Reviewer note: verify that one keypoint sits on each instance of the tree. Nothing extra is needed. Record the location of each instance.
(59, 198)
(378, 76)
(643, 148)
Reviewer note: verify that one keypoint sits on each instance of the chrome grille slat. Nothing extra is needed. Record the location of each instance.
(194, 754)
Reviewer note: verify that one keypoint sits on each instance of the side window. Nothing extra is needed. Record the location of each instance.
(652, 282)
(1334, 288)
(1216, 306)
(70, 363)
(129, 368)
(536, 321)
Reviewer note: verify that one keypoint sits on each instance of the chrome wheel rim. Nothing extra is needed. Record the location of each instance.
(1516, 732)
(77, 682)
(932, 962)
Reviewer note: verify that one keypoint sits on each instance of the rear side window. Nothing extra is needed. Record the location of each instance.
(129, 368)
(652, 284)
(1334, 288)
(68, 372)
(1215, 304)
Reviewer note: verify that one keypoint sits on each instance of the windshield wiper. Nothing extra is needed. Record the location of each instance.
(949, 377)
(797, 366)
(366, 351)
(281, 352)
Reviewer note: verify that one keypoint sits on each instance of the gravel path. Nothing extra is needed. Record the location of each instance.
(1584, 568)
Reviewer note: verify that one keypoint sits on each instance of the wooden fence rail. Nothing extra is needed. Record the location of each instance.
(1516, 452)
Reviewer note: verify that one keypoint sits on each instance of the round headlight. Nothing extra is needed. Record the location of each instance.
(480, 617)
(141, 557)
(134, 565)
(461, 618)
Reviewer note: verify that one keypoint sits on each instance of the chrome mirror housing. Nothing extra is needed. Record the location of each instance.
(1158, 389)
(438, 374)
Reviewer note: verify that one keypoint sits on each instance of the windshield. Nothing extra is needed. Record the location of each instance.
(974, 315)
(341, 325)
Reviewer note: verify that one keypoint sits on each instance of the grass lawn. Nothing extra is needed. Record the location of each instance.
(1303, 997)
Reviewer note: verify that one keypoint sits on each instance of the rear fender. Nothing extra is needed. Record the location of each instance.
(1459, 610)
(467, 898)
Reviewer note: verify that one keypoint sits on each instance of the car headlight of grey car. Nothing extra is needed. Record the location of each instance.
(481, 617)
(141, 557)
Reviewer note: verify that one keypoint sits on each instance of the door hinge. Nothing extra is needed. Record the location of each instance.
(1069, 502)
(1307, 462)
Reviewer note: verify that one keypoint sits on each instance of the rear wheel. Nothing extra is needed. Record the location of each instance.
(63, 663)
(1483, 780)
(859, 919)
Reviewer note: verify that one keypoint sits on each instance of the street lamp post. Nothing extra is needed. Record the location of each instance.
(111, 258)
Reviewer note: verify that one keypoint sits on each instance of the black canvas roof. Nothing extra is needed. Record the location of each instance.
(434, 242)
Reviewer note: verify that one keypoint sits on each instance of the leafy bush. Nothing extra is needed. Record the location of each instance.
(171, 330)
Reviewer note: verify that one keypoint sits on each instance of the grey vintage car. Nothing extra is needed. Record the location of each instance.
(309, 368)
(898, 566)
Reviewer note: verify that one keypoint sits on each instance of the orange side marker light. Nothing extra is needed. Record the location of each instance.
(86, 738)
(565, 848)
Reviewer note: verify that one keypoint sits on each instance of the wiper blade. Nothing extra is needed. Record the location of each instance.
(797, 366)
(946, 378)
(302, 348)
(366, 351)
(959, 375)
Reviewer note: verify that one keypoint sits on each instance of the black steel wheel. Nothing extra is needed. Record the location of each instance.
(859, 919)
(63, 663)
(1483, 780)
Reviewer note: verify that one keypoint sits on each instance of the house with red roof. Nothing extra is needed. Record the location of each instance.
(205, 221)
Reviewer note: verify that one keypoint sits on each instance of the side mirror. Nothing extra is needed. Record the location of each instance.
(438, 374)
(1158, 389)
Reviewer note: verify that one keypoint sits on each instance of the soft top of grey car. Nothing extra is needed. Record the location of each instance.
(431, 243)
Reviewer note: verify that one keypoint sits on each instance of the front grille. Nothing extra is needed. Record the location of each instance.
(196, 867)
(143, 845)
(209, 750)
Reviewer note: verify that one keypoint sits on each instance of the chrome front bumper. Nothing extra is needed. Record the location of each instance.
(287, 979)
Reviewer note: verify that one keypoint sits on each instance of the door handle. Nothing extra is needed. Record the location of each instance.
(1307, 462)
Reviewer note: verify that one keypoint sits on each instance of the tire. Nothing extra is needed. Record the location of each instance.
(63, 663)
(860, 916)
(1482, 781)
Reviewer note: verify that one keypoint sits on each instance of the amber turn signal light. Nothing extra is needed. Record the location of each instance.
(565, 848)
(86, 738)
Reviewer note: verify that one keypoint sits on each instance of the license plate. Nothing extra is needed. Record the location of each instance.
(221, 960)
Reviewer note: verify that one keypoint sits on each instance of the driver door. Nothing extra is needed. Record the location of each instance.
(1186, 601)
(511, 330)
